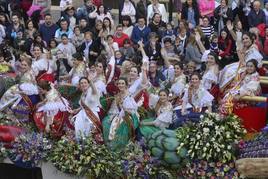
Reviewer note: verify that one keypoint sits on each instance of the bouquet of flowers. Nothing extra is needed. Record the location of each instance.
(85, 157)
(29, 149)
(213, 139)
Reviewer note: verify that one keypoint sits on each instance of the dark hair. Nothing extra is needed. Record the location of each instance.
(44, 85)
(164, 90)
(64, 35)
(48, 14)
(250, 35)
(127, 41)
(28, 23)
(76, 27)
(127, 18)
(216, 58)
(196, 74)
(105, 9)
(107, 18)
(108, 36)
(84, 78)
(155, 15)
(53, 40)
(167, 40)
(124, 79)
(78, 56)
(180, 64)
(254, 62)
(138, 69)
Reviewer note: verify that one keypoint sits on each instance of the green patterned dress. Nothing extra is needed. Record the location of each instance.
(120, 124)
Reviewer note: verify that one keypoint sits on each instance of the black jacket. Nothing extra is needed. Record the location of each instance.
(184, 13)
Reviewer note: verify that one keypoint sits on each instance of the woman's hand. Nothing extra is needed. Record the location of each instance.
(230, 26)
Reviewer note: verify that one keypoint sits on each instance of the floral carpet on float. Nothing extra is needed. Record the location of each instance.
(208, 149)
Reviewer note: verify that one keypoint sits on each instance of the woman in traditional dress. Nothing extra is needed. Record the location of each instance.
(211, 74)
(52, 113)
(195, 101)
(87, 120)
(122, 120)
(22, 97)
(79, 70)
(247, 85)
(248, 52)
(43, 66)
(164, 113)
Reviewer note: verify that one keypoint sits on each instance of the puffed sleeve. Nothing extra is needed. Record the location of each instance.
(205, 99)
(166, 114)
(153, 99)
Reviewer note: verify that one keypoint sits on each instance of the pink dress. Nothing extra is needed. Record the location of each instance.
(205, 6)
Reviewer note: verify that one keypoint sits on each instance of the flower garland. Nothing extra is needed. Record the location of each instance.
(212, 139)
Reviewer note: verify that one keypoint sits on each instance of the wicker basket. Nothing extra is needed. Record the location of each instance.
(253, 167)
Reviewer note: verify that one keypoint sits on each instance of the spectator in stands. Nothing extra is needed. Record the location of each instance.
(156, 7)
(70, 16)
(127, 8)
(100, 13)
(157, 25)
(256, 15)
(141, 10)
(120, 36)
(222, 14)
(140, 32)
(15, 26)
(83, 25)
(87, 8)
(207, 29)
(66, 46)
(127, 25)
(64, 29)
(48, 29)
(64, 4)
(190, 12)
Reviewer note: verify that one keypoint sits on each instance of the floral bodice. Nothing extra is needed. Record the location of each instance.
(198, 98)
(28, 77)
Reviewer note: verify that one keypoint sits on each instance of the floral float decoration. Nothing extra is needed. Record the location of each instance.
(84, 158)
(253, 156)
(29, 149)
(211, 146)
(163, 144)
(212, 139)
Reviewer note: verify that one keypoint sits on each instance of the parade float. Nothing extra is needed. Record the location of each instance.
(215, 147)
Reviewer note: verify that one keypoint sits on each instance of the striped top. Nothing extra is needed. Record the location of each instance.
(208, 31)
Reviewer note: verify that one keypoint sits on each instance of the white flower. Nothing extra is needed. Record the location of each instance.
(198, 136)
(218, 150)
(206, 130)
(229, 147)
(207, 145)
(202, 116)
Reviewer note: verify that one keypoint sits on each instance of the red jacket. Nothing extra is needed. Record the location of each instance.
(120, 40)
(265, 46)
(225, 47)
